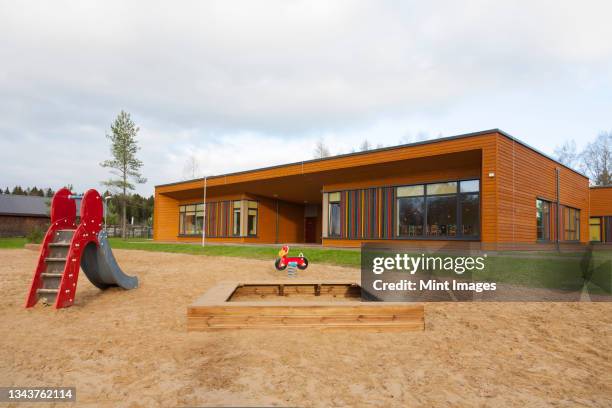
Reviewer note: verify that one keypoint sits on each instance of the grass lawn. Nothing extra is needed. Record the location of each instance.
(11, 243)
(540, 269)
(342, 257)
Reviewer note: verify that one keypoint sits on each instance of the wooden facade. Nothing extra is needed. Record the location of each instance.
(600, 221)
(601, 201)
(512, 176)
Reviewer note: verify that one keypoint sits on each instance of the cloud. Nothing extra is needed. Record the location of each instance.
(252, 79)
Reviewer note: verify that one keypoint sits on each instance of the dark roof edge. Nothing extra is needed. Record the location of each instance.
(34, 215)
(596, 187)
(382, 149)
(509, 136)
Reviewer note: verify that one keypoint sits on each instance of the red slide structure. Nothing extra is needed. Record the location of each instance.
(67, 246)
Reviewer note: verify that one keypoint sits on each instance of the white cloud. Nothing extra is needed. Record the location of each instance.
(246, 80)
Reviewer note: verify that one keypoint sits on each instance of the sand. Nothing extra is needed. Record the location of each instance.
(131, 348)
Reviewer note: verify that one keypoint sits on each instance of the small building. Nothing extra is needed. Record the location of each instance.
(600, 217)
(484, 190)
(21, 214)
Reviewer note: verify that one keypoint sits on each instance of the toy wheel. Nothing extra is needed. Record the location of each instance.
(303, 265)
(277, 265)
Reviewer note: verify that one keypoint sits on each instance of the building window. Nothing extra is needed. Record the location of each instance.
(252, 218)
(543, 220)
(470, 214)
(236, 218)
(410, 216)
(191, 218)
(595, 229)
(571, 222)
(442, 216)
(450, 210)
(333, 214)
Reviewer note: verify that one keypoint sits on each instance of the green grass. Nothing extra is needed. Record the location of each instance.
(565, 271)
(540, 269)
(340, 257)
(12, 243)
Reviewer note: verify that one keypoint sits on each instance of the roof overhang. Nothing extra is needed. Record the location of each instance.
(308, 186)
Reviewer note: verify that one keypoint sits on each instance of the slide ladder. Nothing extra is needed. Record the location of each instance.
(68, 246)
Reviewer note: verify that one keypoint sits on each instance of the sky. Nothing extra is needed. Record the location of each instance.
(237, 85)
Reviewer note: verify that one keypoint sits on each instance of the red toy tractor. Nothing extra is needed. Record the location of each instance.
(283, 260)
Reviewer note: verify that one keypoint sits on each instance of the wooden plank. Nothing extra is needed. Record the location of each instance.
(361, 328)
(214, 311)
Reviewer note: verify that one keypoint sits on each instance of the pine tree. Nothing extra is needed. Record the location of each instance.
(36, 192)
(124, 164)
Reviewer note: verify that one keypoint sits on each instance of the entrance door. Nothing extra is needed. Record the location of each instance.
(310, 229)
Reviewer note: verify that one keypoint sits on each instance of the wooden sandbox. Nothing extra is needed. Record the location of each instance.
(233, 305)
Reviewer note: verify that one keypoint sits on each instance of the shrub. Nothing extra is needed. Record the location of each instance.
(35, 236)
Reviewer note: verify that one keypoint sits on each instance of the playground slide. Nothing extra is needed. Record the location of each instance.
(72, 242)
(101, 268)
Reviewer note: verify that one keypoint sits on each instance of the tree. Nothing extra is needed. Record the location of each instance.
(321, 150)
(191, 170)
(567, 153)
(49, 193)
(36, 192)
(365, 146)
(597, 159)
(7, 191)
(124, 164)
(17, 190)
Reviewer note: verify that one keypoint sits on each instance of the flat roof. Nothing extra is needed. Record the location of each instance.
(401, 146)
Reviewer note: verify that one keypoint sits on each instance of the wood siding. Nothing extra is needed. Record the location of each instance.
(290, 220)
(601, 201)
(523, 176)
(485, 142)
(512, 177)
(165, 218)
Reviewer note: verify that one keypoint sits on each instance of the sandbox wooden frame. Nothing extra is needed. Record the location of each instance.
(215, 311)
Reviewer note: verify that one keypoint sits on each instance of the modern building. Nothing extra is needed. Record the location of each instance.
(600, 221)
(21, 214)
(484, 190)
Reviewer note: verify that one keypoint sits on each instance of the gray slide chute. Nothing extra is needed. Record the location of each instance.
(101, 268)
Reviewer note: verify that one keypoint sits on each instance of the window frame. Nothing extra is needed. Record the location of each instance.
(236, 209)
(549, 203)
(248, 210)
(600, 226)
(330, 204)
(397, 218)
(575, 233)
(459, 236)
(183, 213)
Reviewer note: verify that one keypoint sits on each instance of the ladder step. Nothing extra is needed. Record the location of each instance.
(55, 259)
(59, 244)
(50, 275)
(50, 291)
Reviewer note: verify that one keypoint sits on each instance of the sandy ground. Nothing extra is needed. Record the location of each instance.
(131, 348)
